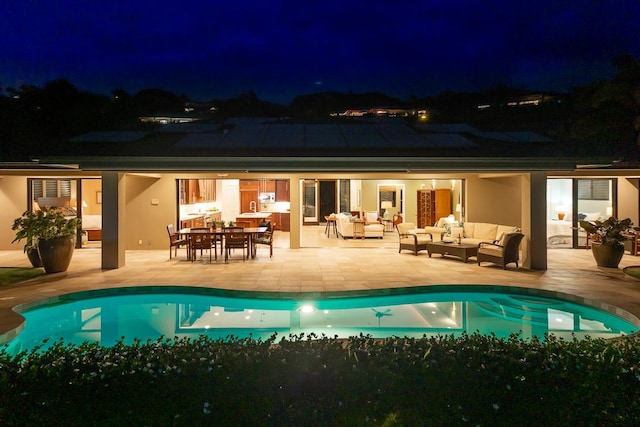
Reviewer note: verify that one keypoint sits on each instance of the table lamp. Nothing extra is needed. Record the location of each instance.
(386, 205)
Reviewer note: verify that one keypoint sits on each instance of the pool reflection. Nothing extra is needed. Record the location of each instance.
(150, 316)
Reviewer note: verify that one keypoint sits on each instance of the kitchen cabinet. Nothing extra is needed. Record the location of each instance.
(282, 190)
(197, 191)
(285, 223)
(267, 186)
(213, 217)
(254, 219)
(249, 184)
(432, 205)
(192, 221)
(280, 220)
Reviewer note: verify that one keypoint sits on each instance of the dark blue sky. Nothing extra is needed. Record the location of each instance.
(279, 49)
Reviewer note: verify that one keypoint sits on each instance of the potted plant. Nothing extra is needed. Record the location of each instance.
(26, 227)
(607, 237)
(53, 234)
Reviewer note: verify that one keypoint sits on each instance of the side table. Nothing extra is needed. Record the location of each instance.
(331, 226)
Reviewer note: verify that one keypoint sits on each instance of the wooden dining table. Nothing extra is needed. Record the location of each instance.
(253, 232)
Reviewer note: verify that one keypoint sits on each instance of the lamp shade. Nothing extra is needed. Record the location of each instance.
(386, 204)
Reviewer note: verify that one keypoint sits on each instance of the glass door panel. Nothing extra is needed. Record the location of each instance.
(595, 200)
(560, 213)
(310, 202)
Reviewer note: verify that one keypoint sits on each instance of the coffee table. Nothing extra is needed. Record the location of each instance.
(462, 250)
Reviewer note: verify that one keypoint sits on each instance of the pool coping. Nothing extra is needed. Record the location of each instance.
(9, 335)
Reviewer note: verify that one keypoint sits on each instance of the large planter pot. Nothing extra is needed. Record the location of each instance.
(34, 257)
(607, 255)
(56, 254)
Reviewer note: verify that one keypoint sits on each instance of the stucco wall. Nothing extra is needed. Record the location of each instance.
(145, 221)
(496, 200)
(628, 199)
(13, 199)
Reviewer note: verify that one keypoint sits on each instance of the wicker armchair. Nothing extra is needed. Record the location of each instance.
(411, 238)
(503, 253)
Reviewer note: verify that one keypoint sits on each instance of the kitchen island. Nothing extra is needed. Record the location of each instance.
(254, 218)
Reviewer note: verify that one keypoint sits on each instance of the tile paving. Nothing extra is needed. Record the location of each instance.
(332, 265)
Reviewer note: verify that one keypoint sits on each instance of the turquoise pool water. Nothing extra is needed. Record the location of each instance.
(151, 312)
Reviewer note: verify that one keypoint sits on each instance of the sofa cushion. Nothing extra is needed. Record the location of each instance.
(455, 232)
(445, 220)
(469, 228)
(371, 216)
(486, 231)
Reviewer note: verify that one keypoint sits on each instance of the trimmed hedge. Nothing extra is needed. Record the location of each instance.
(308, 380)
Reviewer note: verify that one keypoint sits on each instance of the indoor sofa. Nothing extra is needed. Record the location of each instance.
(344, 225)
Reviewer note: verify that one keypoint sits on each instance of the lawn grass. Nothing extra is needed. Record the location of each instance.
(633, 271)
(11, 275)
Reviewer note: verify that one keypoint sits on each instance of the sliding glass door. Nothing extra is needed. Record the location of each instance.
(571, 200)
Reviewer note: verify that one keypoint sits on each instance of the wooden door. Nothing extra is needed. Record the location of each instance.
(442, 204)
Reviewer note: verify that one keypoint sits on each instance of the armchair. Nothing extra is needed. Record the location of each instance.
(411, 238)
(503, 253)
(371, 217)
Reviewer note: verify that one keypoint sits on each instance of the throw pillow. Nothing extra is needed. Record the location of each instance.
(456, 232)
(371, 216)
(448, 226)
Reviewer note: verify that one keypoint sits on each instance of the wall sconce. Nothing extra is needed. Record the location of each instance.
(609, 211)
(433, 183)
(453, 184)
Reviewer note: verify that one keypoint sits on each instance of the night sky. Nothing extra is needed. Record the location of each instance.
(279, 49)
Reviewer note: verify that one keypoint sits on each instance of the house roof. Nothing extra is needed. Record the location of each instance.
(338, 144)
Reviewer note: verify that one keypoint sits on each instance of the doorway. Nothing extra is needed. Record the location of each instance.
(570, 201)
(328, 191)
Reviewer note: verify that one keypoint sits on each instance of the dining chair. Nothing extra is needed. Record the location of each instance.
(202, 239)
(176, 241)
(235, 238)
(265, 238)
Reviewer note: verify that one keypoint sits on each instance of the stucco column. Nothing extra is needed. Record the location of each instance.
(534, 202)
(294, 211)
(113, 217)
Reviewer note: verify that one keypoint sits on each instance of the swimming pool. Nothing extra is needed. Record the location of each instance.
(106, 316)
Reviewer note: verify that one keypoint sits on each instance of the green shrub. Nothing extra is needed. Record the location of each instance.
(308, 380)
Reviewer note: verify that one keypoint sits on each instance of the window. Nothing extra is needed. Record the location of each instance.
(345, 195)
(593, 189)
(51, 188)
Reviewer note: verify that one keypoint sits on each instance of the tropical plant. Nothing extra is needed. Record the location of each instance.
(27, 227)
(311, 380)
(44, 224)
(609, 232)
